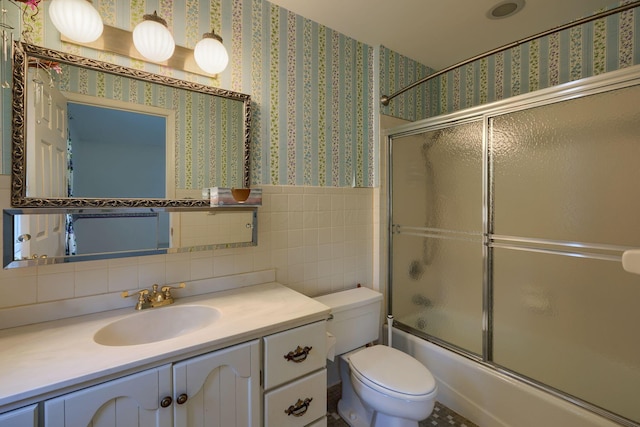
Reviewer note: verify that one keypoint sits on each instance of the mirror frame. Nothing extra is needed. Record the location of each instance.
(22, 51)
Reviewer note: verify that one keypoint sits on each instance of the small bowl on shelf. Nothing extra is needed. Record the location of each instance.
(240, 194)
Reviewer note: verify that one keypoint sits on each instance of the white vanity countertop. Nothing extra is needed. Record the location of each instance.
(39, 359)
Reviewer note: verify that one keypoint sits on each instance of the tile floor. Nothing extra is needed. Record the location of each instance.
(440, 417)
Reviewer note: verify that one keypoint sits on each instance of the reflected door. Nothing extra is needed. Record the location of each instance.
(48, 177)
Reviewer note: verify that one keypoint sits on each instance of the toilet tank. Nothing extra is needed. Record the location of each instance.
(356, 317)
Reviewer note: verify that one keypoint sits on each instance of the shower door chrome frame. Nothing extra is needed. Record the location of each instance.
(609, 81)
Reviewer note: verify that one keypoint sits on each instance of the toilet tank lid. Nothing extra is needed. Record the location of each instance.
(349, 299)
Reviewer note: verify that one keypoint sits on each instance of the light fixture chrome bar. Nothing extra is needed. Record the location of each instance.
(385, 99)
(119, 41)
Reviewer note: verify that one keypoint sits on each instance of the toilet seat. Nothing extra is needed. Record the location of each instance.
(392, 372)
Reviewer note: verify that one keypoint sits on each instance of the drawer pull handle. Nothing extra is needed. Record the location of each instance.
(300, 408)
(299, 355)
(182, 399)
(166, 402)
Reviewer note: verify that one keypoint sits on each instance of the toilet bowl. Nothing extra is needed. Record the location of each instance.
(381, 386)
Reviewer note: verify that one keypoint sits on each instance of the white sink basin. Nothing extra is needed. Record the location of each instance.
(156, 324)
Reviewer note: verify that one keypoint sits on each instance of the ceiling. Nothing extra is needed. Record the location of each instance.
(439, 33)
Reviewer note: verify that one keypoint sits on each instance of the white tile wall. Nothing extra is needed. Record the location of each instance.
(317, 239)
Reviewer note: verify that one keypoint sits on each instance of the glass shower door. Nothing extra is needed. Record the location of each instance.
(566, 204)
(437, 241)
(507, 230)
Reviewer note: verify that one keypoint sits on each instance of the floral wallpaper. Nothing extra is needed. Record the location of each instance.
(208, 130)
(398, 71)
(311, 87)
(590, 49)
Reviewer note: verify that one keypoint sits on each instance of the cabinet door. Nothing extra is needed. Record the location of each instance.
(23, 417)
(219, 389)
(132, 401)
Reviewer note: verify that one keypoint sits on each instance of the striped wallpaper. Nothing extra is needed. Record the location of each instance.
(208, 130)
(587, 50)
(312, 87)
(398, 71)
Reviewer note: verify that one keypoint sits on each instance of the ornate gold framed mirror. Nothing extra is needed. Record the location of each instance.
(206, 133)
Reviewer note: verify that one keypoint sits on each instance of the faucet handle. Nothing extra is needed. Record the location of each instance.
(140, 293)
(166, 290)
(143, 298)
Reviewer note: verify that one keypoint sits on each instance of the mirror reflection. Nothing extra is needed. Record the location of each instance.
(32, 237)
(94, 134)
(110, 162)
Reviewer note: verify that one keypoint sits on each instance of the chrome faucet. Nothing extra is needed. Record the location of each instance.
(153, 298)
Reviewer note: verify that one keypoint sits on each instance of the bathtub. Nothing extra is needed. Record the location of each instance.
(489, 398)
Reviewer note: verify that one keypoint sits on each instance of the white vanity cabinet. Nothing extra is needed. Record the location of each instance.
(295, 377)
(219, 389)
(216, 389)
(261, 362)
(132, 401)
(23, 417)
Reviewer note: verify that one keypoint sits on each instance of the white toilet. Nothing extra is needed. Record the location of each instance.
(381, 386)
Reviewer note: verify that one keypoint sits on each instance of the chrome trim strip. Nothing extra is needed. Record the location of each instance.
(439, 236)
(599, 251)
(615, 258)
(389, 141)
(436, 233)
(433, 230)
(548, 242)
(487, 255)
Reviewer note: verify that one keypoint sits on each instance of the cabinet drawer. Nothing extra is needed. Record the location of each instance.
(290, 398)
(278, 369)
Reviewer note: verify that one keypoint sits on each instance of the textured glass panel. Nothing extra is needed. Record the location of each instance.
(569, 171)
(437, 288)
(437, 179)
(570, 323)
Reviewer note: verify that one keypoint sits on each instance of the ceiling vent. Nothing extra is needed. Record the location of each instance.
(505, 9)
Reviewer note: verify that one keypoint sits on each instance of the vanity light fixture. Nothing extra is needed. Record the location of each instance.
(210, 54)
(76, 19)
(152, 38)
(152, 41)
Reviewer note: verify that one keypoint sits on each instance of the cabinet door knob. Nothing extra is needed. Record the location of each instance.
(298, 355)
(166, 402)
(182, 399)
(300, 408)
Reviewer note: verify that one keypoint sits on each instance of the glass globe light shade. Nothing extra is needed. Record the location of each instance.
(153, 39)
(76, 19)
(210, 54)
